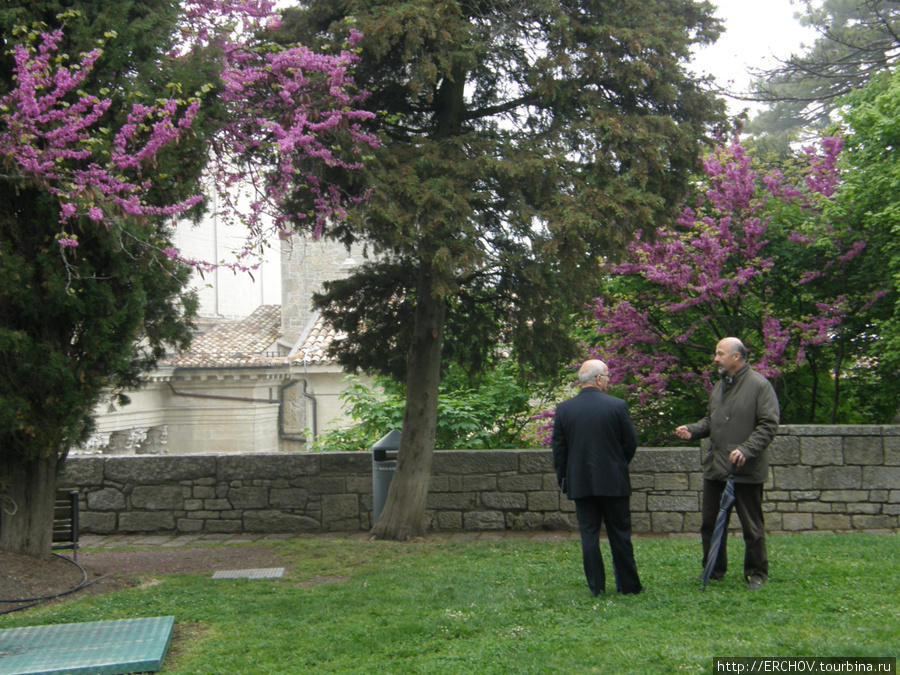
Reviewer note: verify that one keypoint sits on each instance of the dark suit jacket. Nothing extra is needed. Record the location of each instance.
(593, 442)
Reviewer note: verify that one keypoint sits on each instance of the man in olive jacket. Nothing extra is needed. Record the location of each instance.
(741, 421)
(593, 442)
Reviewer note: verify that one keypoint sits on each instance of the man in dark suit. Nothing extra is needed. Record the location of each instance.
(593, 442)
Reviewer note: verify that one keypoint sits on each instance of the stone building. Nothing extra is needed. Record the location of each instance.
(255, 380)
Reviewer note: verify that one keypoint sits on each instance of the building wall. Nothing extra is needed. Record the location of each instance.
(222, 410)
(822, 479)
(305, 265)
(222, 292)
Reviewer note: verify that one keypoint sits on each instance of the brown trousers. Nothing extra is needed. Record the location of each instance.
(748, 504)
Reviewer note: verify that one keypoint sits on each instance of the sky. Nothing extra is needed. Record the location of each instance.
(756, 34)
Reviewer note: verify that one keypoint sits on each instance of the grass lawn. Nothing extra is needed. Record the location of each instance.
(514, 606)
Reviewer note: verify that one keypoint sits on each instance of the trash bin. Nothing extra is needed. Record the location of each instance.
(383, 470)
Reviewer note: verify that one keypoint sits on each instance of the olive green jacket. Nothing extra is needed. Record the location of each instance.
(744, 417)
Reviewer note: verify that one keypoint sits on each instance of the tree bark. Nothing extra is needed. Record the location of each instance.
(403, 515)
(27, 496)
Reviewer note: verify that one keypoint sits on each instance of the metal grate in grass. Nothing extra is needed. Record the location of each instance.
(268, 573)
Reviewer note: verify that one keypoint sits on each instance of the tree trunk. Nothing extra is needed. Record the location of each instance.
(27, 496)
(403, 516)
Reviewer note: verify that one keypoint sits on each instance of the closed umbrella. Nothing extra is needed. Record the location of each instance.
(719, 530)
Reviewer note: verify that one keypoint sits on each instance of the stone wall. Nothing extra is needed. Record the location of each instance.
(822, 478)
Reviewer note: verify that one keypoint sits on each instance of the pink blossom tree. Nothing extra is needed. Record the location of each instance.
(99, 155)
(753, 255)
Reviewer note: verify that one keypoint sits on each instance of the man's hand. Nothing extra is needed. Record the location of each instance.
(737, 457)
(683, 433)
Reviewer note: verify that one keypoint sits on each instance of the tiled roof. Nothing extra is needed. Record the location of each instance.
(314, 345)
(235, 343)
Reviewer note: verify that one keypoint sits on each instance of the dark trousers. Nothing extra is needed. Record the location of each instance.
(591, 512)
(748, 504)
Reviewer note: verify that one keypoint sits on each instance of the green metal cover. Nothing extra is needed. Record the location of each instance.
(96, 648)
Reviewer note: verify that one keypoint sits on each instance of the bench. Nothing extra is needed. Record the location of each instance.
(65, 522)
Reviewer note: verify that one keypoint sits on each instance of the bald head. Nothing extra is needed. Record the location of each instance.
(731, 355)
(594, 373)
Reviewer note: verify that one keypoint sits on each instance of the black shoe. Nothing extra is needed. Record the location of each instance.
(755, 582)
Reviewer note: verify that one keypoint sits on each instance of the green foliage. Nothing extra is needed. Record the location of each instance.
(510, 606)
(869, 204)
(491, 411)
(522, 141)
(76, 323)
(857, 40)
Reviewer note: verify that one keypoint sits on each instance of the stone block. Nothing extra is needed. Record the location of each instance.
(640, 523)
(548, 482)
(891, 509)
(881, 477)
(561, 521)
(327, 485)
(249, 497)
(665, 460)
(97, 523)
(784, 450)
(163, 468)
(224, 526)
(692, 522)
(267, 522)
(193, 504)
(107, 499)
(666, 522)
(146, 521)
(203, 492)
(529, 483)
(479, 521)
(345, 463)
(659, 503)
(453, 501)
(892, 450)
(882, 522)
(189, 525)
(217, 504)
(505, 501)
(157, 498)
(642, 481)
(792, 477)
(796, 522)
(863, 450)
(271, 466)
(670, 481)
(831, 521)
(479, 483)
(337, 507)
(864, 507)
(525, 520)
(544, 501)
(837, 477)
(638, 501)
(439, 484)
(814, 507)
(822, 451)
(535, 461)
(448, 521)
(288, 498)
(894, 497)
(846, 496)
(80, 472)
(476, 462)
